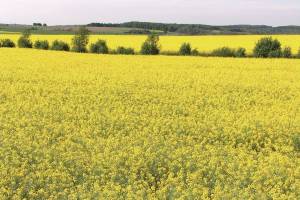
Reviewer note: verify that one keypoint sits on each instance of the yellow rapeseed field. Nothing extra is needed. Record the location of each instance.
(172, 43)
(84, 126)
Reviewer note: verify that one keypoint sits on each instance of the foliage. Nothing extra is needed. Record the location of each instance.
(275, 54)
(41, 44)
(169, 53)
(287, 52)
(124, 50)
(147, 127)
(185, 49)
(24, 41)
(26, 33)
(8, 43)
(223, 52)
(60, 46)
(267, 47)
(192, 29)
(99, 47)
(195, 52)
(172, 43)
(240, 52)
(151, 46)
(80, 40)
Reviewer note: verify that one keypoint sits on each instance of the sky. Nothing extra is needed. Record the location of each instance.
(213, 12)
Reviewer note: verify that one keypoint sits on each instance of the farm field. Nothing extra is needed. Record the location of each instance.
(85, 126)
(172, 43)
(64, 29)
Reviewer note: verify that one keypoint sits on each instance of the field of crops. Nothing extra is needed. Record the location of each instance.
(84, 126)
(172, 43)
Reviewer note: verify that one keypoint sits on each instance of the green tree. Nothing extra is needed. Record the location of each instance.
(275, 54)
(240, 52)
(185, 49)
(80, 40)
(267, 47)
(151, 45)
(24, 41)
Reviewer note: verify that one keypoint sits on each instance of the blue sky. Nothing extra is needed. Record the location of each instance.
(215, 12)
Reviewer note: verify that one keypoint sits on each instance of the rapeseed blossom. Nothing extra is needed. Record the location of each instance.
(84, 126)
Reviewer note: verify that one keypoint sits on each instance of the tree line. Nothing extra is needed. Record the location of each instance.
(266, 47)
(200, 29)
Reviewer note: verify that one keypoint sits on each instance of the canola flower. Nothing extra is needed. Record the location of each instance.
(83, 126)
(173, 43)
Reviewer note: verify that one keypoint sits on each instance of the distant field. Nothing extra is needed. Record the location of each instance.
(65, 29)
(7, 32)
(172, 43)
(85, 126)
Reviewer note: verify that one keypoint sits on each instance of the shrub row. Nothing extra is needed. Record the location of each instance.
(228, 52)
(44, 45)
(265, 48)
(7, 43)
(60, 46)
(79, 44)
(99, 47)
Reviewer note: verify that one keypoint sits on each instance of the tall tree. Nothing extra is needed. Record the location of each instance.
(80, 40)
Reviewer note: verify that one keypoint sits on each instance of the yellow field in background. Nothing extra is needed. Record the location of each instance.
(172, 43)
(85, 126)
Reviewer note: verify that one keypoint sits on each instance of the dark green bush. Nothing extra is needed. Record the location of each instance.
(275, 54)
(204, 54)
(287, 52)
(240, 52)
(24, 41)
(185, 49)
(195, 52)
(99, 47)
(41, 44)
(224, 52)
(124, 50)
(266, 47)
(80, 40)
(60, 46)
(151, 46)
(7, 43)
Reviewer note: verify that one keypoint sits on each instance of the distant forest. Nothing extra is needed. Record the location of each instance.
(199, 29)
